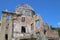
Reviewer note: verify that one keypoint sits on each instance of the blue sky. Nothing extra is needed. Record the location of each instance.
(48, 9)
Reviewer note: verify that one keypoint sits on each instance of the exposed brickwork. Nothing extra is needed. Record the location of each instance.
(23, 26)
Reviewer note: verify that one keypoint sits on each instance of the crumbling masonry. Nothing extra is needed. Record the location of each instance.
(25, 24)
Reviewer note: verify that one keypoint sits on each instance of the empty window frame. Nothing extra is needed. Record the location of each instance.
(37, 23)
(23, 19)
(8, 17)
(23, 29)
(27, 13)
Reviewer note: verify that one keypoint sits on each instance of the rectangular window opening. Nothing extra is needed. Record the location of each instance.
(23, 19)
(23, 29)
(6, 36)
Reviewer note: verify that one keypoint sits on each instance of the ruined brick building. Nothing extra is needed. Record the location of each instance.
(25, 24)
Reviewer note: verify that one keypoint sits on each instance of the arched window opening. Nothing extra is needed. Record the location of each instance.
(37, 23)
(23, 19)
(23, 29)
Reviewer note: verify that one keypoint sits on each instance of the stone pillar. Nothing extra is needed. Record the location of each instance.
(3, 28)
(34, 25)
(10, 29)
(41, 28)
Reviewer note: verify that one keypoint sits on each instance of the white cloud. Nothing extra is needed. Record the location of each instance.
(58, 23)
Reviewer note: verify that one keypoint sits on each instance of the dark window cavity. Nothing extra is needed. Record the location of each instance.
(6, 36)
(23, 29)
(23, 19)
(44, 31)
(0, 24)
(50, 39)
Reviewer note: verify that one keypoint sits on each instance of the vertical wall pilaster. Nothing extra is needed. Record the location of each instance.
(10, 29)
(3, 28)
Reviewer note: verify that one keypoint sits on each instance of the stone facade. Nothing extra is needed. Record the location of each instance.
(25, 24)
